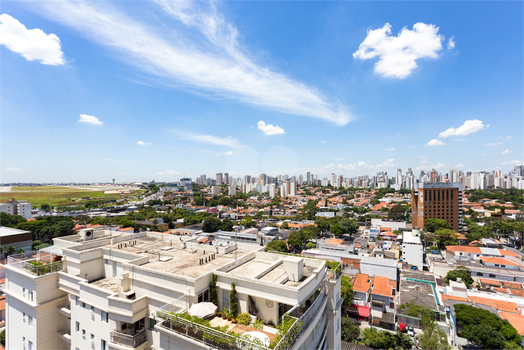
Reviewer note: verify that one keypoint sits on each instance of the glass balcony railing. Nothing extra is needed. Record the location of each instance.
(131, 341)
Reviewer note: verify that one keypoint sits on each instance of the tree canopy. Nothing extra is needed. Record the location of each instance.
(461, 272)
(211, 224)
(277, 246)
(433, 224)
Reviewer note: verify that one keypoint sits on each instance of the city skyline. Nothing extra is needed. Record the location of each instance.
(183, 89)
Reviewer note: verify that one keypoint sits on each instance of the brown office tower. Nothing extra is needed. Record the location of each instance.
(441, 200)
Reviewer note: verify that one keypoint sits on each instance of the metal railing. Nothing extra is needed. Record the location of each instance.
(40, 270)
(206, 335)
(35, 262)
(128, 340)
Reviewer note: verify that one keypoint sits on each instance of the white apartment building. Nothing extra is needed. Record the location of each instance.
(412, 250)
(110, 290)
(16, 208)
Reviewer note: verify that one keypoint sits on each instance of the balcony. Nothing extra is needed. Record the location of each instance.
(131, 341)
(178, 322)
(36, 262)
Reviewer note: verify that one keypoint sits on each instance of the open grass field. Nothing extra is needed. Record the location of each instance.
(54, 195)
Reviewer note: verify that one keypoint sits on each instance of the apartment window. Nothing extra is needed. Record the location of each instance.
(152, 323)
(30, 345)
(30, 321)
(491, 275)
(23, 316)
(30, 295)
(104, 317)
(502, 265)
(225, 299)
(480, 274)
(77, 327)
(104, 345)
(92, 309)
(77, 300)
(84, 333)
(338, 325)
(92, 337)
(84, 305)
(204, 296)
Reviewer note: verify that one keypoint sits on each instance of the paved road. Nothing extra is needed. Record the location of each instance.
(5, 188)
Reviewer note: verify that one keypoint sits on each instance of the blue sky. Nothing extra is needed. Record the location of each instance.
(142, 90)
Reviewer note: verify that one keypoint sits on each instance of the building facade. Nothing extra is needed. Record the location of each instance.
(437, 200)
(110, 290)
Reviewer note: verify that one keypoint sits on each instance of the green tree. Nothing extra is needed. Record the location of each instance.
(461, 272)
(226, 225)
(211, 224)
(284, 226)
(310, 245)
(233, 300)
(433, 337)
(9, 220)
(213, 290)
(346, 290)
(377, 339)
(248, 222)
(446, 237)
(277, 246)
(310, 210)
(335, 229)
(350, 330)
(398, 212)
(433, 224)
(323, 223)
(348, 226)
(10, 250)
(45, 207)
(2, 337)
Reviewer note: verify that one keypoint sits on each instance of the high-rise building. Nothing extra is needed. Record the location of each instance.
(308, 178)
(220, 179)
(300, 180)
(232, 190)
(226, 178)
(292, 189)
(115, 290)
(437, 200)
(272, 191)
(13, 207)
(186, 183)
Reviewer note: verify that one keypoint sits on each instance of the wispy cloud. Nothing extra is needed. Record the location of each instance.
(460, 165)
(269, 129)
(435, 142)
(513, 162)
(390, 149)
(423, 160)
(214, 140)
(360, 165)
(451, 43)
(387, 163)
(469, 127)
(398, 54)
(172, 172)
(32, 44)
(508, 151)
(322, 141)
(89, 119)
(493, 144)
(409, 147)
(14, 170)
(142, 143)
(199, 51)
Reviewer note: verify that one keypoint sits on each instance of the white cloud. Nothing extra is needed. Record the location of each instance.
(196, 49)
(142, 143)
(387, 163)
(14, 170)
(438, 166)
(483, 154)
(493, 144)
(32, 44)
(435, 142)
(322, 141)
(160, 173)
(451, 43)
(412, 146)
(513, 162)
(423, 160)
(269, 129)
(215, 140)
(398, 54)
(508, 137)
(228, 153)
(84, 118)
(390, 149)
(339, 159)
(469, 127)
(460, 165)
(359, 165)
(172, 172)
(506, 151)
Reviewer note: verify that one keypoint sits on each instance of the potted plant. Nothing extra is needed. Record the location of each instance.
(234, 320)
(271, 324)
(224, 313)
(229, 316)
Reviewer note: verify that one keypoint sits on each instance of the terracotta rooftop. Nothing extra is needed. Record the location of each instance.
(516, 321)
(361, 283)
(382, 286)
(500, 305)
(500, 261)
(451, 297)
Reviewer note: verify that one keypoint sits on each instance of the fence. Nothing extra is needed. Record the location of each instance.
(131, 341)
(36, 262)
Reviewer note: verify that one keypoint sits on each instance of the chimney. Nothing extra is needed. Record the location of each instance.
(125, 282)
(294, 268)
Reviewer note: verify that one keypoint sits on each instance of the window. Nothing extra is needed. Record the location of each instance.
(23, 316)
(84, 305)
(77, 300)
(492, 275)
(30, 321)
(338, 325)
(77, 327)
(30, 295)
(480, 274)
(152, 323)
(92, 309)
(104, 317)
(204, 296)
(104, 345)
(30, 345)
(225, 299)
(92, 337)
